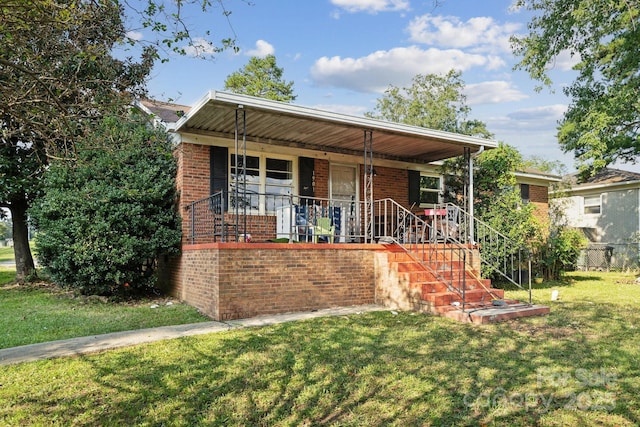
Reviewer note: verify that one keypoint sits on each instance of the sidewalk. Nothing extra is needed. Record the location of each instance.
(93, 344)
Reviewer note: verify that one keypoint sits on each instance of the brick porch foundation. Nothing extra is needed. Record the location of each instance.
(239, 280)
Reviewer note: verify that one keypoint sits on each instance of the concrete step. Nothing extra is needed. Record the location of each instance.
(480, 315)
(471, 296)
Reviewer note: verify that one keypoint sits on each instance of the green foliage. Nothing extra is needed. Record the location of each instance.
(545, 165)
(59, 76)
(493, 176)
(106, 218)
(559, 252)
(432, 101)
(5, 229)
(261, 77)
(497, 200)
(21, 166)
(602, 124)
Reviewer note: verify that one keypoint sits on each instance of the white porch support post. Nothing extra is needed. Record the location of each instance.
(470, 199)
(472, 234)
(368, 187)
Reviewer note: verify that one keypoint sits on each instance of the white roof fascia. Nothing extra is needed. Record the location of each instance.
(602, 187)
(338, 118)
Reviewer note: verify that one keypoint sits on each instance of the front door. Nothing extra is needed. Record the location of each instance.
(343, 188)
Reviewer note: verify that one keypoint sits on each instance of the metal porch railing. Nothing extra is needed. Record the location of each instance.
(440, 246)
(446, 260)
(271, 217)
(499, 254)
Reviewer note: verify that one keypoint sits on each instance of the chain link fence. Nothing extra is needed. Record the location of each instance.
(610, 256)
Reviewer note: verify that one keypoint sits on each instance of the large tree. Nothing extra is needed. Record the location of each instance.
(59, 75)
(432, 101)
(261, 77)
(21, 169)
(602, 122)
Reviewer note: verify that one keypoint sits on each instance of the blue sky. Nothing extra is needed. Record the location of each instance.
(342, 54)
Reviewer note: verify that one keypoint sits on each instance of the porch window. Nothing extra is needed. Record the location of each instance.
(524, 193)
(430, 187)
(269, 181)
(592, 205)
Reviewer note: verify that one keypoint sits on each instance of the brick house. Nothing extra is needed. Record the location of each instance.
(534, 188)
(287, 208)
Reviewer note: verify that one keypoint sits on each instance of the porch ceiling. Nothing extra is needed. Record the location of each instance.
(283, 124)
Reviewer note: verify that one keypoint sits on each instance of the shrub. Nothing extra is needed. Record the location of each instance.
(107, 216)
(559, 252)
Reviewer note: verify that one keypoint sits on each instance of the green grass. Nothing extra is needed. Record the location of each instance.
(7, 275)
(32, 314)
(577, 366)
(6, 254)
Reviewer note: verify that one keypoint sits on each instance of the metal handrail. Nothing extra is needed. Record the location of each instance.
(421, 240)
(499, 253)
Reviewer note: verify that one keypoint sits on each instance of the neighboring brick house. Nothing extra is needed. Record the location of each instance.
(534, 188)
(606, 208)
(293, 162)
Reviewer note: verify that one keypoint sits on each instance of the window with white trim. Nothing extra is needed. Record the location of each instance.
(430, 188)
(268, 181)
(592, 205)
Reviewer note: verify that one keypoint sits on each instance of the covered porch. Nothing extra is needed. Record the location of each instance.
(262, 239)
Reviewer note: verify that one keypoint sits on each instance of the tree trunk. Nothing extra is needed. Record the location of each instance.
(25, 267)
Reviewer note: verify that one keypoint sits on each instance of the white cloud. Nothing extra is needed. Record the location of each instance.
(537, 125)
(480, 33)
(375, 72)
(493, 92)
(134, 35)
(553, 113)
(532, 131)
(200, 47)
(371, 6)
(565, 61)
(261, 50)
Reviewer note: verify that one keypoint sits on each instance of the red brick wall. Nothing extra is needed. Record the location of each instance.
(538, 194)
(321, 174)
(232, 281)
(390, 183)
(196, 279)
(192, 178)
(539, 197)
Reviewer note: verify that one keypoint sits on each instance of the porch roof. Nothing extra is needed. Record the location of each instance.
(278, 123)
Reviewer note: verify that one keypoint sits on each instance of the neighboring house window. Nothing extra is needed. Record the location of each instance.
(592, 204)
(269, 180)
(524, 193)
(430, 188)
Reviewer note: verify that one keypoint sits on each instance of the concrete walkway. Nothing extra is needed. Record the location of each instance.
(93, 344)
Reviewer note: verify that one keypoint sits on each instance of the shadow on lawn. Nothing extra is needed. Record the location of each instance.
(373, 369)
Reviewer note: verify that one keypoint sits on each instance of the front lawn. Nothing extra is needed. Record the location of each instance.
(37, 313)
(6, 254)
(577, 366)
(7, 275)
